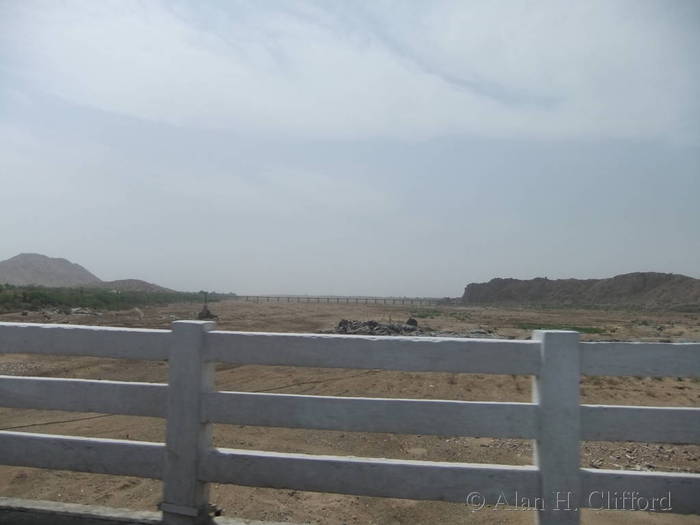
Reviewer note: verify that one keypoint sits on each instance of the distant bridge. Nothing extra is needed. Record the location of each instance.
(333, 299)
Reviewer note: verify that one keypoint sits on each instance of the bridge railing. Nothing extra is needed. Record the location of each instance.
(337, 299)
(555, 485)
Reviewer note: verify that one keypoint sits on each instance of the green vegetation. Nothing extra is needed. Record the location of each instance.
(554, 326)
(426, 313)
(19, 298)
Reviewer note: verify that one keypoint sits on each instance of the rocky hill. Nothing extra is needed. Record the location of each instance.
(641, 289)
(36, 269)
(33, 268)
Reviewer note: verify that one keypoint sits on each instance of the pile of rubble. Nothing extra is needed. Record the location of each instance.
(410, 327)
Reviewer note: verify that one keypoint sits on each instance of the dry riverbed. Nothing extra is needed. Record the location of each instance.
(287, 505)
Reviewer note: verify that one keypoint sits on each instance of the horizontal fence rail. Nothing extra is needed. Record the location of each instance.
(84, 395)
(415, 354)
(680, 488)
(96, 341)
(640, 359)
(99, 456)
(645, 424)
(357, 414)
(187, 461)
(442, 481)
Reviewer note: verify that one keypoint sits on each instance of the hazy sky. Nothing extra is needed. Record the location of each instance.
(351, 147)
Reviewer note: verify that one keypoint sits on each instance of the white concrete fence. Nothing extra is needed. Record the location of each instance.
(187, 461)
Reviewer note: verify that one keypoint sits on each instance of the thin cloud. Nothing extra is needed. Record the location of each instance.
(337, 70)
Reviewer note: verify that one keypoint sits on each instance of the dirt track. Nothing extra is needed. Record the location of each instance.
(335, 509)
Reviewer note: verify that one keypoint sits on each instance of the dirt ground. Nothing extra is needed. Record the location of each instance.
(295, 506)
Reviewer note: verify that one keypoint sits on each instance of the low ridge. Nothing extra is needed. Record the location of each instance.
(646, 289)
(133, 285)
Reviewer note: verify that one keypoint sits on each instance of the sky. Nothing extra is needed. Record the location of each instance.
(351, 148)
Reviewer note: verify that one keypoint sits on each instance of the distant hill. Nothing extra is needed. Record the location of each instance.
(36, 269)
(33, 268)
(133, 285)
(641, 289)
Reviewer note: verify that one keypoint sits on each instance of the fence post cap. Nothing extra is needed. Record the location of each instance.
(192, 321)
(192, 324)
(538, 335)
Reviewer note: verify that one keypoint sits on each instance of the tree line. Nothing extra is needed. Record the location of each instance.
(19, 298)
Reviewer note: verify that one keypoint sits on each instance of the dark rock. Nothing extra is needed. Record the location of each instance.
(205, 313)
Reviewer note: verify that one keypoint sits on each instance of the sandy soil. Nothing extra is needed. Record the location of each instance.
(286, 505)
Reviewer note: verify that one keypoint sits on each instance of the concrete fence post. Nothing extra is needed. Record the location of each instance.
(557, 446)
(185, 497)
